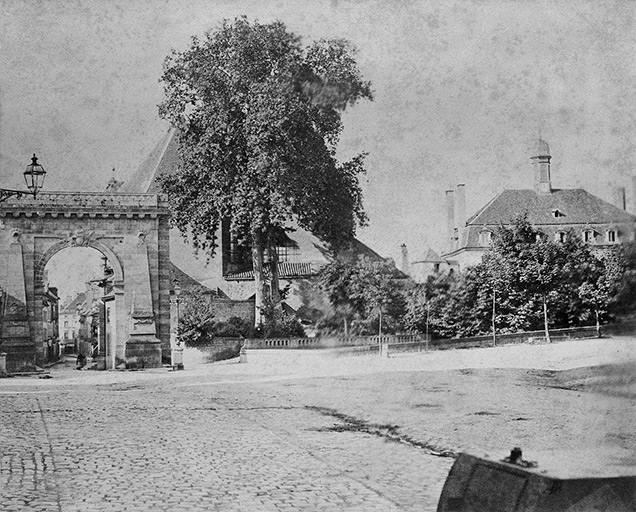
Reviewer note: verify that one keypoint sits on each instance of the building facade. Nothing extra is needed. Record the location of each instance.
(560, 213)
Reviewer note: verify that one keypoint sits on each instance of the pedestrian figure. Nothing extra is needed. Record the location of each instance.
(81, 361)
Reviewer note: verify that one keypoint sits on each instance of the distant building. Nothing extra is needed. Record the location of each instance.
(69, 323)
(558, 212)
(50, 323)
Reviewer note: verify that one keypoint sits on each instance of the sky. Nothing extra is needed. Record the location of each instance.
(463, 89)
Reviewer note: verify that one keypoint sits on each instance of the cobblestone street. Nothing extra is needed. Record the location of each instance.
(301, 431)
(150, 446)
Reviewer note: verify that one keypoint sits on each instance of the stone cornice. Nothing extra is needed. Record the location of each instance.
(89, 204)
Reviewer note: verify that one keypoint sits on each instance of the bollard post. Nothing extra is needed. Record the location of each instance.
(243, 355)
(177, 357)
(3, 364)
(384, 350)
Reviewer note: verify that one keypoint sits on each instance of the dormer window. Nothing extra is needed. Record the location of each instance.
(589, 236)
(561, 236)
(557, 213)
(611, 236)
(485, 238)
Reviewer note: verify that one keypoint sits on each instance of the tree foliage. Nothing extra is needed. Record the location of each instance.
(259, 119)
(365, 296)
(525, 281)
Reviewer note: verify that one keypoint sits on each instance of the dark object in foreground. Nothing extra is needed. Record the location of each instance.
(558, 481)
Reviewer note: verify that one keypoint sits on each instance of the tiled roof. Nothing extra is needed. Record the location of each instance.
(71, 307)
(186, 282)
(575, 206)
(285, 271)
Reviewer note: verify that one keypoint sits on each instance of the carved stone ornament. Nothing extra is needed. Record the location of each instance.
(15, 236)
(80, 238)
(141, 238)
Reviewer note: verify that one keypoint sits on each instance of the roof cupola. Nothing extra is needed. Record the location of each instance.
(541, 162)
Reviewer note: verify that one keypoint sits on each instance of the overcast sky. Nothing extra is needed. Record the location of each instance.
(462, 91)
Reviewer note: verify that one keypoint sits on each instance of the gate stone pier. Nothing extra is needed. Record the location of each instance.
(130, 230)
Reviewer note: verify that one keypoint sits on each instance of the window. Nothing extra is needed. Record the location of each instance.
(66, 323)
(561, 236)
(611, 236)
(588, 236)
(287, 254)
(485, 237)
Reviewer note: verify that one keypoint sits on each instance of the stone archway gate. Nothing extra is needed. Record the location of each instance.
(131, 230)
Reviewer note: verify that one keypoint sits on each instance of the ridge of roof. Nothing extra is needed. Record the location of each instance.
(143, 179)
(482, 209)
(578, 206)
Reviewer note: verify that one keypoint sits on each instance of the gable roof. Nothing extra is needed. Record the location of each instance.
(163, 159)
(431, 257)
(71, 307)
(576, 206)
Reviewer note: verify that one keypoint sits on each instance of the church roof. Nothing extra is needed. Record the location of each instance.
(163, 159)
(561, 206)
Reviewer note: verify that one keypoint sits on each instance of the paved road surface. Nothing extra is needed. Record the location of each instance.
(148, 445)
(285, 434)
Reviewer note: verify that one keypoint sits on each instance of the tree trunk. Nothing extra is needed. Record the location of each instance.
(494, 331)
(273, 268)
(598, 323)
(260, 284)
(346, 327)
(545, 320)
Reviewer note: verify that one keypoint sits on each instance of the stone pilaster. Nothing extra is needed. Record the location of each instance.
(142, 346)
(16, 337)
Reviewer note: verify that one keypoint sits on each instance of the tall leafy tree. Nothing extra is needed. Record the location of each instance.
(601, 276)
(364, 292)
(259, 119)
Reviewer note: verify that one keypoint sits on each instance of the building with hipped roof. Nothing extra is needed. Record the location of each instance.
(558, 212)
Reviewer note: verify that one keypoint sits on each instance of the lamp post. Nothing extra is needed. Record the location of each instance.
(34, 179)
(177, 349)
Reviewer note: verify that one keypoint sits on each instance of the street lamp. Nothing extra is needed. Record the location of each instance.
(177, 350)
(34, 179)
(177, 301)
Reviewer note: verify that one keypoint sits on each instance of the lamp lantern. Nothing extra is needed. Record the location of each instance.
(34, 176)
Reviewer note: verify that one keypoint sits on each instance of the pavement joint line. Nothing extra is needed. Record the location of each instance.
(52, 455)
(389, 432)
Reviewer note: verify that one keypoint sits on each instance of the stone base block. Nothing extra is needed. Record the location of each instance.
(144, 353)
(21, 356)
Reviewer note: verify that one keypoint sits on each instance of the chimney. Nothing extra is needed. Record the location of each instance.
(460, 209)
(405, 259)
(619, 198)
(450, 219)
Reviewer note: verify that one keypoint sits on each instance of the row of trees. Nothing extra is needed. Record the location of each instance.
(526, 281)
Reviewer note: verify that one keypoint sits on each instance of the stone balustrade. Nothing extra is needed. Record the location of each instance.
(89, 201)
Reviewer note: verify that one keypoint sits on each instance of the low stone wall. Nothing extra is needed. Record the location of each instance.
(487, 341)
(219, 349)
(328, 342)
